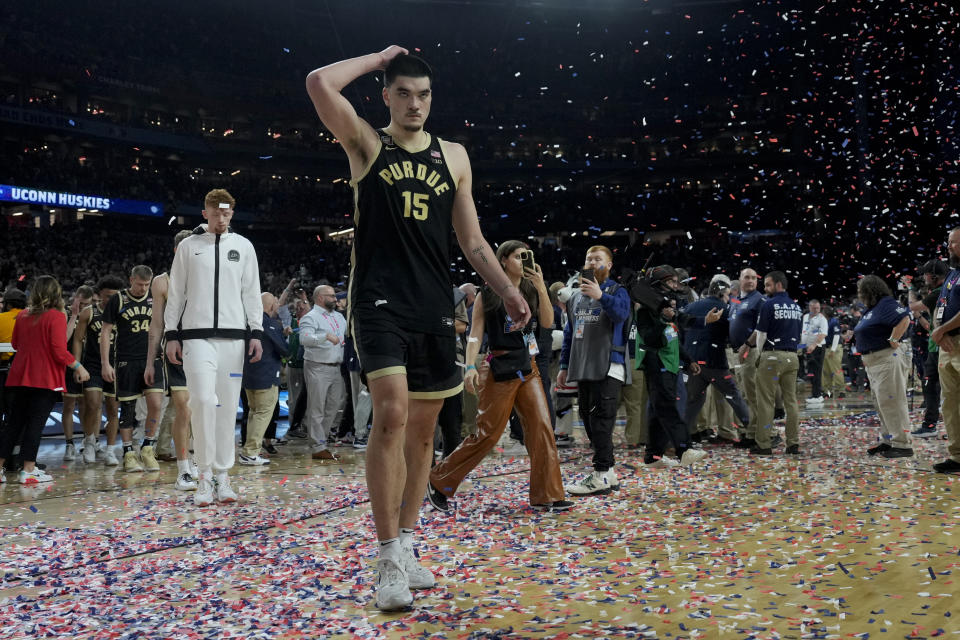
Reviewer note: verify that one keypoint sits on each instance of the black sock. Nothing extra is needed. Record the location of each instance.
(148, 442)
(127, 447)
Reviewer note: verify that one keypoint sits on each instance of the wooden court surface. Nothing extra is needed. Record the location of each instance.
(833, 544)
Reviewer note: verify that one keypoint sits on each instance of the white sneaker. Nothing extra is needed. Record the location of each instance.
(70, 453)
(34, 477)
(186, 482)
(393, 591)
(593, 484)
(109, 457)
(418, 576)
(690, 456)
(89, 450)
(131, 462)
(257, 461)
(815, 400)
(222, 483)
(664, 463)
(611, 478)
(3, 476)
(204, 495)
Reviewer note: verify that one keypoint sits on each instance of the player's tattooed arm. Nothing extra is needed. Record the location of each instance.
(480, 253)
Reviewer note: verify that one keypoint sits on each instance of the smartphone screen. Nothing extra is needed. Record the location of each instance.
(587, 274)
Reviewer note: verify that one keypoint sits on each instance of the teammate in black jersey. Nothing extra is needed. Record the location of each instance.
(130, 311)
(73, 393)
(410, 188)
(174, 375)
(96, 392)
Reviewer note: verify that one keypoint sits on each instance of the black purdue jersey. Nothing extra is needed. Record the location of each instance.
(400, 265)
(91, 341)
(132, 319)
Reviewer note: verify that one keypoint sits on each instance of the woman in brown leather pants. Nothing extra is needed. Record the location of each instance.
(518, 387)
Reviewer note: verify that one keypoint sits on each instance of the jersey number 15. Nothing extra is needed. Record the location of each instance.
(415, 204)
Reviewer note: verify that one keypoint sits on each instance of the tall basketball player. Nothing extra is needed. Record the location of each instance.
(409, 189)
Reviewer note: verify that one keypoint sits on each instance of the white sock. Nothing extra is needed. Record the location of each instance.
(183, 466)
(390, 549)
(406, 538)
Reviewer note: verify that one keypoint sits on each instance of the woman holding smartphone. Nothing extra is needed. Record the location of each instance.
(508, 379)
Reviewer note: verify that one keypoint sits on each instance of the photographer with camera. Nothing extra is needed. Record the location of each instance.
(593, 355)
(658, 350)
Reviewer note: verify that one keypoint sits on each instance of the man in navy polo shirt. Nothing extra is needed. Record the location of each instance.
(777, 335)
(946, 317)
(744, 312)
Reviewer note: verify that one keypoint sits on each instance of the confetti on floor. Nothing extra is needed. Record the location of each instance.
(831, 544)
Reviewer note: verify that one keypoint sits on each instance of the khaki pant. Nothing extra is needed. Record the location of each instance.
(888, 386)
(495, 402)
(745, 370)
(261, 403)
(165, 431)
(634, 399)
(832, 376)
(777, 370)
(949, 369)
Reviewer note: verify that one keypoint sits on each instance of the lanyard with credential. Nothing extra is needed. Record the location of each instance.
(332, 323)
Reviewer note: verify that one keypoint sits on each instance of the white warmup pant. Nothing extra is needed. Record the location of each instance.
(214, 371)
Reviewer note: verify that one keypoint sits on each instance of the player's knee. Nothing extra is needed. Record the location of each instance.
(128, 414)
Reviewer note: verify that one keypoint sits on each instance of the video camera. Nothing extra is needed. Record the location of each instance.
(648, 287)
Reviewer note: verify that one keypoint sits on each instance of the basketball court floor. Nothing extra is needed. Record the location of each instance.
(830, 544)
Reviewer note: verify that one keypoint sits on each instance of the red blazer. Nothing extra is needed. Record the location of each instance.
(42, 354)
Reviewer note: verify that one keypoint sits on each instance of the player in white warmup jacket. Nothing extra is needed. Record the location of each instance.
(214, 315)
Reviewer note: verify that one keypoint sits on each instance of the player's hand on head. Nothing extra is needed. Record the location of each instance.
(255, 350)
(390, 53)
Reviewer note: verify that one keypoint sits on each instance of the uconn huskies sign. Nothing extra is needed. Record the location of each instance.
(29, 195)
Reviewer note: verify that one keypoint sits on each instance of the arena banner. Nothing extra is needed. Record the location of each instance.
(29, 195)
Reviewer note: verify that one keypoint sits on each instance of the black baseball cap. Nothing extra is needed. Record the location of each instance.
(935, 267)
(663, 272)
(15, 298)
